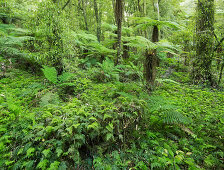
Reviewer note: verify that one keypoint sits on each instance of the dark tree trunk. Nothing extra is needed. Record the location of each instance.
(151, 60)
(150, 64)
(204, 43)
(98, 20)
(118, 18)
(125, 51)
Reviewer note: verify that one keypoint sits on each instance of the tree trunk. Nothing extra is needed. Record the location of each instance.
(83, 9)
(125, 51)
(204, 43)
(151, 59)
(98, 20)
(220, 74)
(118, 18)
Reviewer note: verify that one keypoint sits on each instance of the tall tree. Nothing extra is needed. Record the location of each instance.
(204, 42)
(98, 15)
(82, 7)
(118, 17)
(151, 59)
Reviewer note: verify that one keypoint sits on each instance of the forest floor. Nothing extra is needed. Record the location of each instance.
(110, 125)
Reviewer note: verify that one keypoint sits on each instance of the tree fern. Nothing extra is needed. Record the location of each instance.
(110, 27)
(12, 39)
(165, 44)
(139, 42)
(144, 22)
(89, 42)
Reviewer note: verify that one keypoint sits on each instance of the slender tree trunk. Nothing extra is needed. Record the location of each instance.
(114, 10)
(82, 7)
(98, 20)
(220, 74)
(145, 7)
(139, 7)
(204, 43)
(118, 18)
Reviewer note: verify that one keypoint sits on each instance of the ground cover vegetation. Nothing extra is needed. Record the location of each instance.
(101, 84)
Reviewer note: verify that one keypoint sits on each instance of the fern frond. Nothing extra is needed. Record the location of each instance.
(174, 117)
(145, 22)
(100, 49)
(65, 77)
(110, 27)
(49, 98)
(168, 45)
(139, 42)
(167, 80)
(50, 73)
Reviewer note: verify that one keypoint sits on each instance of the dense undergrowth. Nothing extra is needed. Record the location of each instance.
(83, 86)
(107, 121)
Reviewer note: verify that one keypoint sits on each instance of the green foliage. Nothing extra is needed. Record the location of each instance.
(57, 132)
(88, 113)
(12, 40)
(109, 71)
(87, 41)
(51, 74)
(144, 22)
(139, 42)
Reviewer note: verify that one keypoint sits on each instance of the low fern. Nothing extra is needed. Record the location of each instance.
(167, 110)
(174, 117)
(51, 74)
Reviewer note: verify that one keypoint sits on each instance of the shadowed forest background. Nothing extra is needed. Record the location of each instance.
(112, 84)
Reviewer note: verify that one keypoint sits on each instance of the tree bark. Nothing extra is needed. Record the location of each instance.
(220, 74)
(118, 18)
(125, 51)
(204, 43)
(83, 9)
(98, 20)
(151, 59)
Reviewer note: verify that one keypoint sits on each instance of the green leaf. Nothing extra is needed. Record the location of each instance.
(50, 73)
(109, 136)
(62, 166)
(94, 125)
(46, 152)
(59, 151)
(54, 165)
(110, 127)
(29, 152)
(106, 116)
(43, 164)
(64, 77)
(49, 129)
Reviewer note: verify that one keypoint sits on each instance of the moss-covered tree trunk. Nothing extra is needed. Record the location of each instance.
(202, 71)
(151, 59)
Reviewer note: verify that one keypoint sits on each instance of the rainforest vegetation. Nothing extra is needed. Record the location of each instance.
(111, 84)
